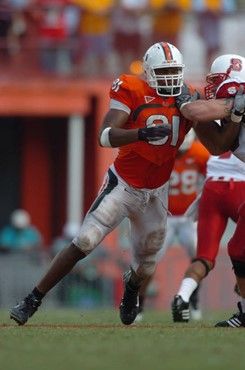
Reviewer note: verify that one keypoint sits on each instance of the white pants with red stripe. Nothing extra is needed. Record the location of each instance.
(146, 210)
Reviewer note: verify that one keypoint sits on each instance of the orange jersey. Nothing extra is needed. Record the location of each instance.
(142, 164)
(185, 177)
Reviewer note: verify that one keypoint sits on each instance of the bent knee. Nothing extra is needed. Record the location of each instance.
(86, 241)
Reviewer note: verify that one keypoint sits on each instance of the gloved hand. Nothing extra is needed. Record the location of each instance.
(154, 133)
(186, 96)
(238, 105)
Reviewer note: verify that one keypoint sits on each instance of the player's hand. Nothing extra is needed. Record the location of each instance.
(238, 105)
(154, 133)
(186, 96)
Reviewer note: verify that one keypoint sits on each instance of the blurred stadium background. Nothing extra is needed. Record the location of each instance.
(57, 60)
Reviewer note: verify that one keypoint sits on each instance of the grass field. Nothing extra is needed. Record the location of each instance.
(95, 340)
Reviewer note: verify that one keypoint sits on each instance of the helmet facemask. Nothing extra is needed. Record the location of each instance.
(214, 80)
(166, 82)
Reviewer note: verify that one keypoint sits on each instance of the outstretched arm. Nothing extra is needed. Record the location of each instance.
(207, 110)
(216, 138)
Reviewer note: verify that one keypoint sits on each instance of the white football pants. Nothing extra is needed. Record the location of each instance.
(146, 210)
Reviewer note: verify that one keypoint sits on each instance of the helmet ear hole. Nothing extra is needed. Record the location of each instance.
(163, 67)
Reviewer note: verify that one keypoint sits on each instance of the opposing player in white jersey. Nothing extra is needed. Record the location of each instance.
(224, 192)
(222, 195)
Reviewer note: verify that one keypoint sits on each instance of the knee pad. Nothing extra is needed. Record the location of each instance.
(84, 243)
(239, 268)
(205, 264)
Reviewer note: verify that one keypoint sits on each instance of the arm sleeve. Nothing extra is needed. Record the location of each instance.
(120, 91)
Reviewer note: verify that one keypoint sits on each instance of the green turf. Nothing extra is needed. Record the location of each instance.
(95, 340)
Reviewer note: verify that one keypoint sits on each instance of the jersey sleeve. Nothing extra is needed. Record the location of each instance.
(121, 91)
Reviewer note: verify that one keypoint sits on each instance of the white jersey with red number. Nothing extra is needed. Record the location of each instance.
(226, 166)
(142, 164)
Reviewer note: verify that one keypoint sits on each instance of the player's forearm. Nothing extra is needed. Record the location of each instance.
(120, 137)
(116, 137)
(113, 133)
(203, 111)
(217, 139)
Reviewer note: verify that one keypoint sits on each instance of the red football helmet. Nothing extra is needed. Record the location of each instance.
(224, 67)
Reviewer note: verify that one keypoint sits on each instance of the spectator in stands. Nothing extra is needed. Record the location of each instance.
(131, 31)
(209, 15)
(20, 235)
(95, 36)
(53, 22)
(5, 26)
(167, 20)
(17, 29)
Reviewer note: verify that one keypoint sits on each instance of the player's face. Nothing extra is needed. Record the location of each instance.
(165, 72)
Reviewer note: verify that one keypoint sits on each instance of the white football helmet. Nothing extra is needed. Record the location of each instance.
(224, 67)
(159, 57)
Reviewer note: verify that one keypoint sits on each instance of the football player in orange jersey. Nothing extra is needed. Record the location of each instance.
(145, 122)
